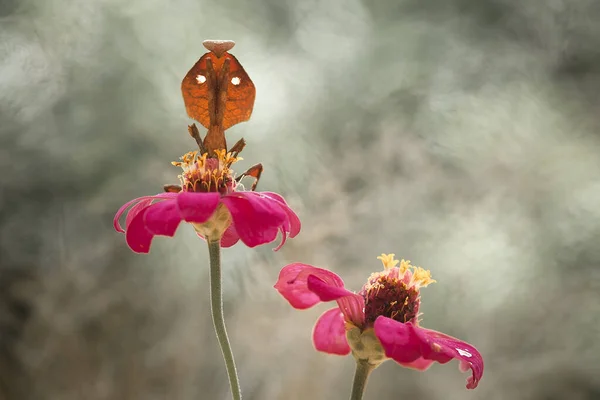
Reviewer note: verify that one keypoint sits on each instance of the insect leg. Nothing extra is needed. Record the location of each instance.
(193, 130)
(237, 147)
(254, 171)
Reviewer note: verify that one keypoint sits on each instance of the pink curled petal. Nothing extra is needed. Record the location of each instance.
(442, 348)
(257, 219)
(116, 223)
(145, 201)
(398, 340)
(353, 308)
(326, 291)
(402, 342)
(197, 207)
(464, 366)
(230, 237)
(294, 221)
(329, 334)
(137, 236)
(163, 218)
(283, 239)
(295, 224)
(351, 304)
(291, 225)
(135, 210)
(292, 284)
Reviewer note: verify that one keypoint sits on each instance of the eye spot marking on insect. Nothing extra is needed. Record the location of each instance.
(235, 80)
(201, 79)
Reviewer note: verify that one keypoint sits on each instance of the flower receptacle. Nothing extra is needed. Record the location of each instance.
(365, 345)
(216, 225)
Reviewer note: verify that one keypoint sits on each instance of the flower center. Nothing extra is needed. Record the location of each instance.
(394, 292)
(389, 297)
(203, 174)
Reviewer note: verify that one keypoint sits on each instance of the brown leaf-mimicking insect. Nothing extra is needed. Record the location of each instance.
(218, 93)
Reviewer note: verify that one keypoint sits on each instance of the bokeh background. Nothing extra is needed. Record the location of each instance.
(462, 135)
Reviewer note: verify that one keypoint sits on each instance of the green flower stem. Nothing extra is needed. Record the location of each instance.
(216, 305)
(361, 375)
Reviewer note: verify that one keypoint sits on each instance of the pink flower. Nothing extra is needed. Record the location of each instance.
(208, 200)
(379, 322)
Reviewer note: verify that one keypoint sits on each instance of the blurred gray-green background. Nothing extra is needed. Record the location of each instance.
(462, 135)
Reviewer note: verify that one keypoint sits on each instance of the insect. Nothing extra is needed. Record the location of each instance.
(218, 93)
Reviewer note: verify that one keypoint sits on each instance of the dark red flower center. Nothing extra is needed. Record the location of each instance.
(386, 295)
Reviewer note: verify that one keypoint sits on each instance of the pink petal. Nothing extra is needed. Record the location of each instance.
(143, 202)
(407, 343)
(303, 286)
(135, 210)
(351, 304)
(230, 237)
(398, 340)
(443, 347)
(163, 218)
(137, 236)
(274, 196)
(257, 219)
(197, 207)
(329, 334)
(294, 221)
(293, 286)
(283, 238)
(325, 290)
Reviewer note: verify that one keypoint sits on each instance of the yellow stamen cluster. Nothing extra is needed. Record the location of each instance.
(226, 159)
(420, 277)
(190, 158)
(201, 173)
(388, 260)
